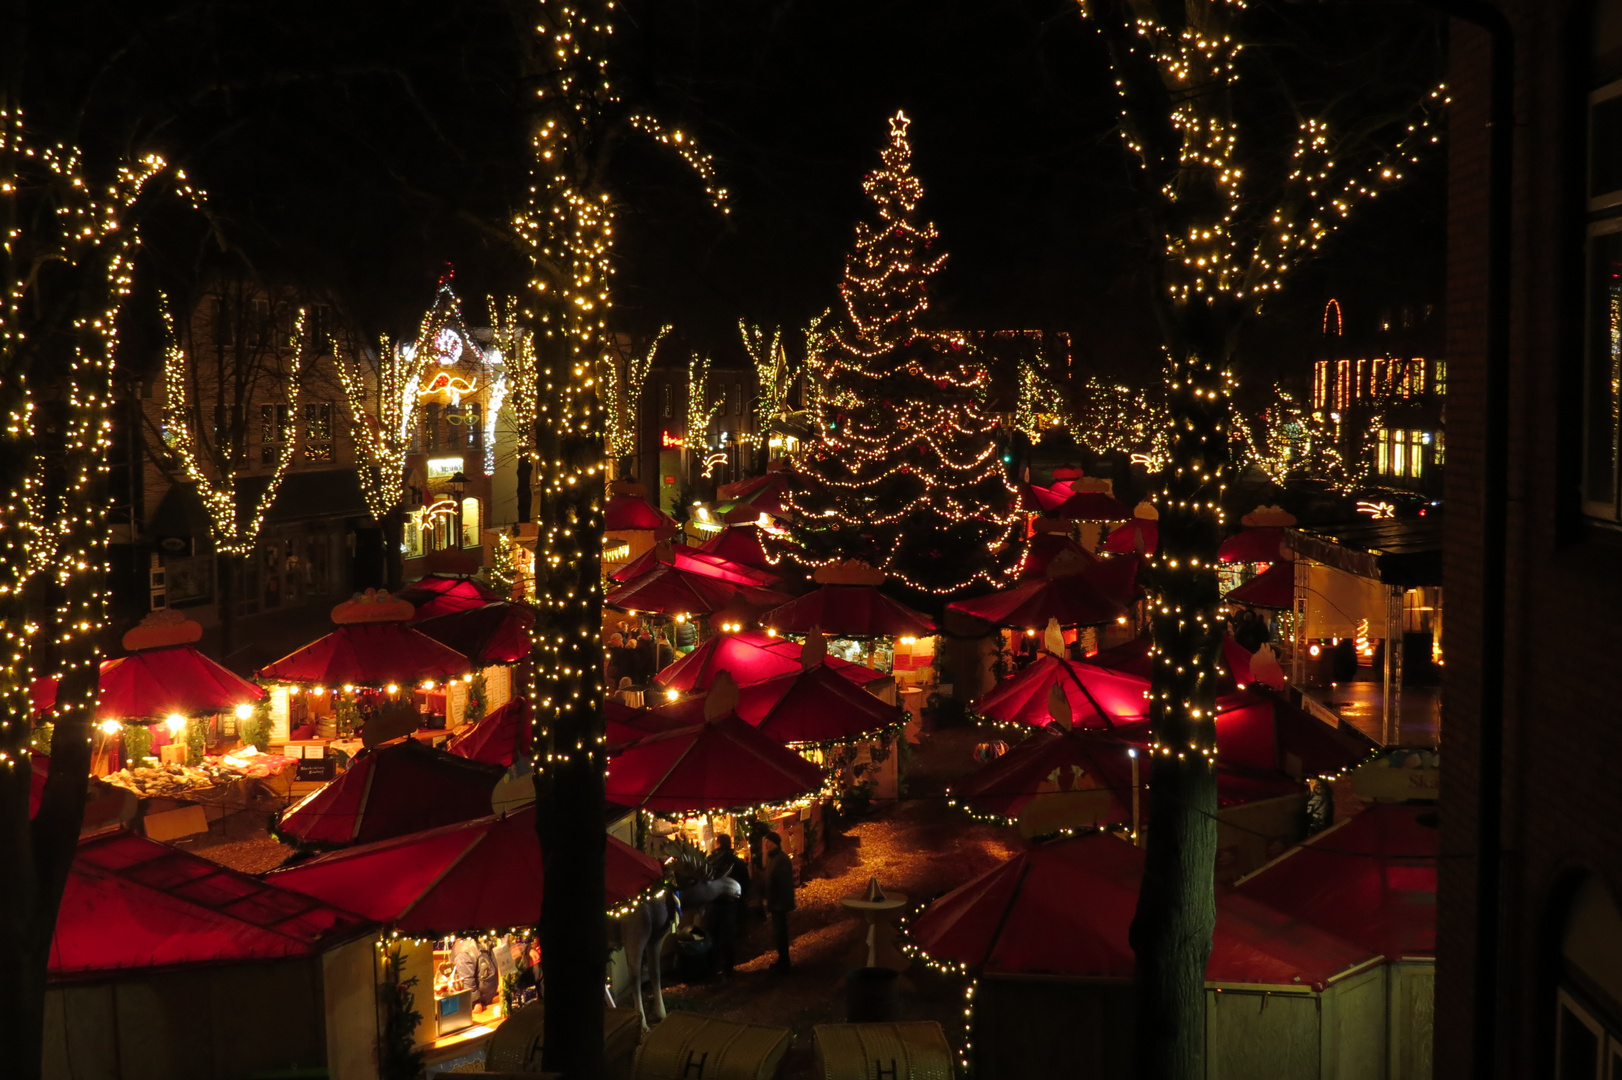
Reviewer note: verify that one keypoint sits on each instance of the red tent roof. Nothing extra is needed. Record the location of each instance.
(693, 562)
(1073, 600)
(1260, 544)
(1272, 588)
(1036, 499)
(390, 791)
(749, 657)
(1132, 658)
(1370, 879)
(739, 544)
(497, 633)
(672, 591)
(848, 611)
(497, 736)
(720, 765)
(369, 654)
(439, 594)
(471, 876)
(815, 705)
(1092, 506)
(757, 495)
(629, 513)
(1065, 908)
(135, 903)
(154, 683)
(1098, 698)
(1044, 548)
(1139, 534)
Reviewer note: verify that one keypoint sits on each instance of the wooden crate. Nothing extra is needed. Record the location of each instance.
(689, 1047)
(916, 1050)
(516, 1045)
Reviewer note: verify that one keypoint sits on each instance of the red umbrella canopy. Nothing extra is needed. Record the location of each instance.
(497, 633)
(155, 683)
(464, 878)
(438, 594)
(723, 764)
(754, 496)
(1072, 599)
(1053, 760)
(630, 513)
(1066, 907)
(1098, 698)
(1261, 544)
(1139, 534)
(739, 544)
(1049, 550)
(369, 654)
(1371, 879)
(815, 705)
(498, 737)
(1272, 588)
(848, 611)
(671, 591)
(1034, 498)
(749, 657)
(135, 903)
(396, 789)
(693, 562)
(1092, 506)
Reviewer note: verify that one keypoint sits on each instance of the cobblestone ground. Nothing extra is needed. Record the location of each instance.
(920, 847)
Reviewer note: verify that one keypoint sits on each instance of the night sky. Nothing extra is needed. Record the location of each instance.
(359, 151)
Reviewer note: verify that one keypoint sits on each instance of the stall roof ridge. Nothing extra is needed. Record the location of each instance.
(1396, 551)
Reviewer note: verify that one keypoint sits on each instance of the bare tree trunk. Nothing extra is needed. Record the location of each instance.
(393, 524)
(525, 473)
(226, 570)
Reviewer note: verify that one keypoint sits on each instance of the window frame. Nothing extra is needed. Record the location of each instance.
(1604, 218)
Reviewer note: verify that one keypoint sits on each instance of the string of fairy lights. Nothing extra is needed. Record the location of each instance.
(772, 375)
(216, 470)
(382, 433)
(896, 401)
(701, 411)
(622, 384)
(78, 223)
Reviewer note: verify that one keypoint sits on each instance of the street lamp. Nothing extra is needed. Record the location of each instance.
(458, 483)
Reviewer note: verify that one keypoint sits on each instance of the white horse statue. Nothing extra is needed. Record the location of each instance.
(644, 930)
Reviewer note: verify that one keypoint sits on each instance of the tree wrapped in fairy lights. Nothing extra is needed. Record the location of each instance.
(1227, 220)
(906, 472)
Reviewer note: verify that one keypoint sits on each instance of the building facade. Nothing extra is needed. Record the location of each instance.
(1529, 940)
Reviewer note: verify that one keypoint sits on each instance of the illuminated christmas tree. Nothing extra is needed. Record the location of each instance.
(905, 474)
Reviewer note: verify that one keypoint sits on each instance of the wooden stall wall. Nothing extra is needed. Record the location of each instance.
(1412, 1012)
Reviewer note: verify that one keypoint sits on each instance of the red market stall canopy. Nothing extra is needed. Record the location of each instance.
(739, 544)
(1137, 535)
(1036, 499)
(1272, 588)
(1092, 506)
(135, 903)
(672, 591)
(1132, 658)
(438, 594)
(498, 737)
(157, 683)
(722, 764)
(631, 513)
(497, 633)
(1371, 879)
(395, 789)
(746, 500)
(369, 654)
(464, 878)
(1098, 698)
(1260, 732)
(692, 562)
(749, 657)
(1046, 552)
(854, 611)
(1073, 600)
(1065, 908)
(816, 705)
(1263, 544)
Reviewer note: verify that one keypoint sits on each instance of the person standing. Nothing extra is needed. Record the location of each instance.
(722, 920)
(779, 895)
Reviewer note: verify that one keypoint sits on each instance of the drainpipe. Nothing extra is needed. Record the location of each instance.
(1494, 522)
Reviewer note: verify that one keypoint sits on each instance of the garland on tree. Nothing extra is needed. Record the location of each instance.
(905, 471)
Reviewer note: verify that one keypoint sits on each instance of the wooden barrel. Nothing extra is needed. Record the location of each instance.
(686, 1046)
(516, 1045)
(916, 1050)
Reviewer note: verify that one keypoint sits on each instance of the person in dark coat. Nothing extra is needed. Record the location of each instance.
(779, 895)
(646, 659)
(663, 654)
(686, 635)
(722, 919)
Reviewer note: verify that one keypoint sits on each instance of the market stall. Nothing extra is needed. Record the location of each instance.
(1140, 535)
(695, 561)
(749, 656)
(441, 594)
(1098, 697)
(506, 735)
(1044, 942)
(1371, 879)
(457, 890)
(494, 638)
(396, 789)
(863, 624)
(631, 524)
(161, 958)
(740, 545)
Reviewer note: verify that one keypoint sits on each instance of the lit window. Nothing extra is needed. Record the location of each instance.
(275, 430)
(1382, 453)
(470, 522)
(1399, 455)
(318, 431)
(1416, 453)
